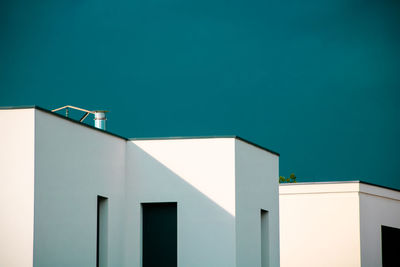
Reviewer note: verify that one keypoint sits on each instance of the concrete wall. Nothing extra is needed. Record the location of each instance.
(198, 174)
(257, 173)
(320, 225)
(378, 206)
(16, 187)
(53, 170)
(74, 164)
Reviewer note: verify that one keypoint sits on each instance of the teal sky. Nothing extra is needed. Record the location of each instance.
(316, 81)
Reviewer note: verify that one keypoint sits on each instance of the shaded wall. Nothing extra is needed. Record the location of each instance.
(378, 206)
(73, 165)
(257, 189)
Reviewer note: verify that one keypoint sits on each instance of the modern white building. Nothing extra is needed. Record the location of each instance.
(346, 224)
(74, 195)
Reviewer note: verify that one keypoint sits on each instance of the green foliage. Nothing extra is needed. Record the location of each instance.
(291, 179)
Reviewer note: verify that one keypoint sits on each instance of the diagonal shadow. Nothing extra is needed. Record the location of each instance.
(206, 231)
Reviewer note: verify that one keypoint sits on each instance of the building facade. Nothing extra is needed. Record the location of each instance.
(334, 224)
(73, 195)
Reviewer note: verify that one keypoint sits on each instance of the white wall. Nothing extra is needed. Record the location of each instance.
(53, 169)
(319, 225)
(198, 174)
(74, 164)
(16, 187)
(378, 206)
(257, 174)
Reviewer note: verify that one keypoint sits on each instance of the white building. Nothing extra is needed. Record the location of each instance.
(73, 195)
(346, 224)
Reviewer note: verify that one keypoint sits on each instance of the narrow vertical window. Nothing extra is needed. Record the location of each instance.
(264, 239)
(102, 233)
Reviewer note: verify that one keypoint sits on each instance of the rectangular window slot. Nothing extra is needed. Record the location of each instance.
(264, 238)
(102, 232)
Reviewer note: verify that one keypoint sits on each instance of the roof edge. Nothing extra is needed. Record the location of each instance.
(65, 118)
(20, 107)
(132, 139)
(205, 137)
(341, 182)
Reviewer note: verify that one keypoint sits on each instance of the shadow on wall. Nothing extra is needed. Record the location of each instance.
(206, 231)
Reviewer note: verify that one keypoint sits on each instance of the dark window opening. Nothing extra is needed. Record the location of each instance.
(159, 234)
(264, 239)
(390, 246)
(102, 232)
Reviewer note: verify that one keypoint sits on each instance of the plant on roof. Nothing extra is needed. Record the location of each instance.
(291, 179)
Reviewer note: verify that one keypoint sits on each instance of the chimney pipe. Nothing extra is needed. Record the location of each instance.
(100, 119)
(99, 115)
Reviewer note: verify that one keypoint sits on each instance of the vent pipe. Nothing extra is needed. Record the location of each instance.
(99, 115)
(100, 119)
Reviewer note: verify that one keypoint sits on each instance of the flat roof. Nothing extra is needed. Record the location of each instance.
(339, 187)
(125, 138)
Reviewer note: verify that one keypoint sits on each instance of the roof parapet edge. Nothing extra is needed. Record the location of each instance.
(152, 138)
(65, 118)
(205, 137)
(341, 182)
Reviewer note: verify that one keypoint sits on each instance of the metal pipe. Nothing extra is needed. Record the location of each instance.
(100, 119)
(99, 115)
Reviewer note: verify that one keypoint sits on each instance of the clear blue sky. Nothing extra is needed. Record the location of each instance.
(316, 81)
